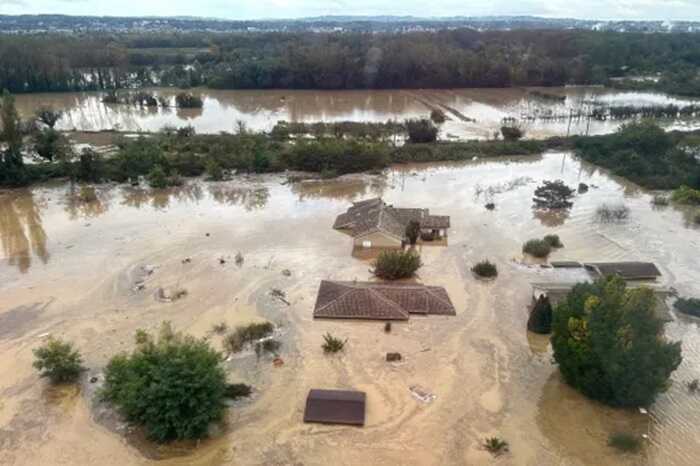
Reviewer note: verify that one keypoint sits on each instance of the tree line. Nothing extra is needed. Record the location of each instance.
(304, 60)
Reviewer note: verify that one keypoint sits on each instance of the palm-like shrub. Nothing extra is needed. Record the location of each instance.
(495, 446)
(58, 360)
(396, 264)
(332, 344)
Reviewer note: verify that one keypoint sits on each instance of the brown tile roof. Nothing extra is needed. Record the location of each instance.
(626, 270)
(379, 301)
(373, 215)
(335, 407)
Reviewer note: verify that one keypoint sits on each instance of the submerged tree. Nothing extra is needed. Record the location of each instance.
(48, 116)
(173, 386)
(11, 135)
(59, 361)
(553, 195)
(413, 231)
(540, 320)
(609, 344)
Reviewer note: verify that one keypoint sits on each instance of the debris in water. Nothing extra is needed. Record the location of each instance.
(93, 379)
(582, 188)
(170, 296)
(387, 327)
(186, 260)
(222, 261)
(281, 295)
(44, 335)
(239, 258)
(287, 273)
(139, 286)
(148, 269)
(206, 234)
(393, 357)
(422, 394)
(278, 362)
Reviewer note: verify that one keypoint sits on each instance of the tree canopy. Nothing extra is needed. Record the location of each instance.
(173, 386)
(609, 344)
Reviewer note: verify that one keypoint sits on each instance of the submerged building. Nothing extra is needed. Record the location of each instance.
(373, 223)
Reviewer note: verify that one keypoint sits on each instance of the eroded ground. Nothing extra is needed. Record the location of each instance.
(71, 269)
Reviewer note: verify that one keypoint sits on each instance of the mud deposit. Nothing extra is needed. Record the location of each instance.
(73, 270)
(471, 113)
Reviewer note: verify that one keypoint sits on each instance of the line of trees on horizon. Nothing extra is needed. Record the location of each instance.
(443, 59)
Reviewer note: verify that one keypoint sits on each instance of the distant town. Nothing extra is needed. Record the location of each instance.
(23, 24)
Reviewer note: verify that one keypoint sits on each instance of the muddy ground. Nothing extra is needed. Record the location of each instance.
(71, 269)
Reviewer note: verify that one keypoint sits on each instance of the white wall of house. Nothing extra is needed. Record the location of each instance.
(377, 239)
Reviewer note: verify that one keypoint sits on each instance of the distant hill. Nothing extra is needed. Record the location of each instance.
(73, 24)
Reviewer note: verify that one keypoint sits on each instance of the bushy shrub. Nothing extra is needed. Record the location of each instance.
(243, 335)
(537, 248)
(485, 269)
(396, 264)
(157, 178)
(438, 116)
(659, 200)
(332, 344)
(174, 387)
(540, 320)
(187, 100)
(553, 241)
(234, 391)
(270, 346)
(690, 306)
(609, 343)
(686, 195)
(612, 213)
(214, 171)
(511, 133)
(421, 131)
(553, 195)
(58, 360)
(625, 442)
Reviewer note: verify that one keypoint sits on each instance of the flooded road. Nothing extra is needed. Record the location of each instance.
(472, 113)
(69, 268)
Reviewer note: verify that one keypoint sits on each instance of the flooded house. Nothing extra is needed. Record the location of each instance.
(373, 223)
(380, 301)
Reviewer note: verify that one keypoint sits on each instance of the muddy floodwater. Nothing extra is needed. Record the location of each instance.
(70, 269)
(472, 113)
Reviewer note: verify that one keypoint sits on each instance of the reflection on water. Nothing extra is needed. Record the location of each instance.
(347, 188)
(21, 231)
(86, 201)
(472, 113)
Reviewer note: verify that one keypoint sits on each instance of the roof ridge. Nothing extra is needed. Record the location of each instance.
(430, 291)
(350, 290)
(393, 304)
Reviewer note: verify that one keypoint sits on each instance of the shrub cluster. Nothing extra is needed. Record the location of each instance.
(511, 133)
(612, 213)
(58, 360)
(332, 344)
(396, 264)
(243, 335)
(485, 269)
(690, 306)
(421, 131)
(537, 248)
(686, 195)
(173, 386)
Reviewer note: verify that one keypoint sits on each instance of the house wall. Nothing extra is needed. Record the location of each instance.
(378, 240)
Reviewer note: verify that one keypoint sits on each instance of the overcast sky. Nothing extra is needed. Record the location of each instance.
(255, 9)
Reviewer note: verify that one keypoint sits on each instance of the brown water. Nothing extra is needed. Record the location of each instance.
(69, 268)
(472, 113)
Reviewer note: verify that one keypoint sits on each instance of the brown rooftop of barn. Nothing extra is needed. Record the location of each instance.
(380, 301)
(335, 407)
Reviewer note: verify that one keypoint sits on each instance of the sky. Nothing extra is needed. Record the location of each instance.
(268, 9)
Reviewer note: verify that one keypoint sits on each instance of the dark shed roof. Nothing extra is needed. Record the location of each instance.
(335, 407)
(626, 270)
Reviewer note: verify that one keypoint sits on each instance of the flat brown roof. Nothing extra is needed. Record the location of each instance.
(626, 270)
(335, 407)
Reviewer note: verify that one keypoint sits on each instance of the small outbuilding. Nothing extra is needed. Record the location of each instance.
(335, 407)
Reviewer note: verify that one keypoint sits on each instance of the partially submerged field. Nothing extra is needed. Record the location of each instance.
(71, 268)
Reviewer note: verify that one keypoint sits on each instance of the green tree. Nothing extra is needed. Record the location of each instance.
(422, 130)
(157, 178)
(413, 231)
(553, 195)
(173, 386)
(11, 136)
(58, 361)
(609, 344)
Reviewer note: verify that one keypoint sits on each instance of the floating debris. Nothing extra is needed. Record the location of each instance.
(422, 394)
(393, 357)
(222, 261)
(239, 259)
(287, 273)
(186, 260)
(281, 295)
(278, 362)
(169, 296)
